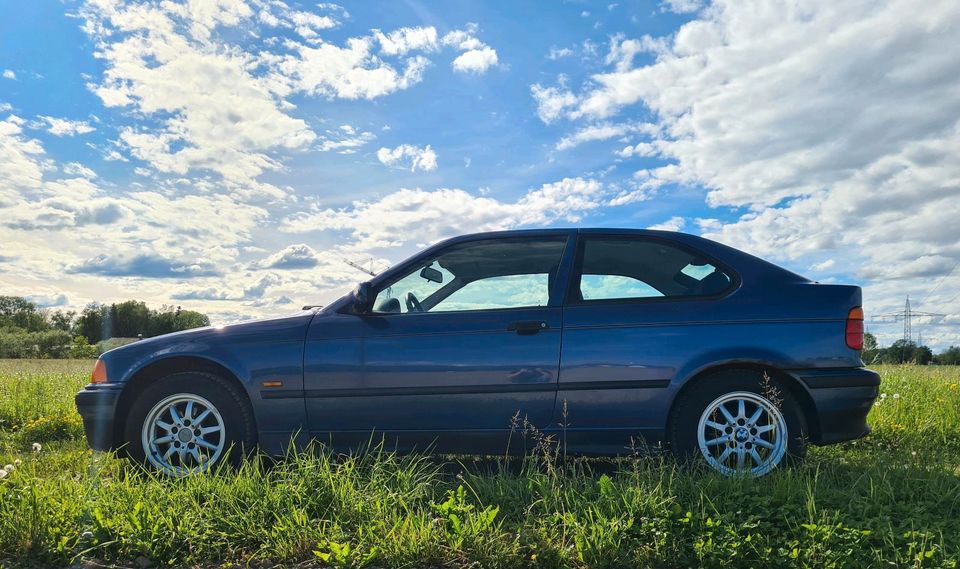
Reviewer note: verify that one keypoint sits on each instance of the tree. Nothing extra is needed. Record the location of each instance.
(18, 312)
(950, 356)
(62, 320)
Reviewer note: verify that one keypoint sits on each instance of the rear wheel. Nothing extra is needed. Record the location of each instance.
(189, 422)
(738, 422)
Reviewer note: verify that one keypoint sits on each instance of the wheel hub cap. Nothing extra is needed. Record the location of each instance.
(182, 434)
(742, 433)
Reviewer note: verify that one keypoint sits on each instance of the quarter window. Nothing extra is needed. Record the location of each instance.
(636, 268)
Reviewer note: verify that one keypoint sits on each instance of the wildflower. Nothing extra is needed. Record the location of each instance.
(37, 447)
(913, 454)
(896, 396)
(883, 396)
(9, 468)
(17, 462)
(3, 474)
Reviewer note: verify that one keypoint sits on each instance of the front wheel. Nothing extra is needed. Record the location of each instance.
(188, 422)
(738, 422)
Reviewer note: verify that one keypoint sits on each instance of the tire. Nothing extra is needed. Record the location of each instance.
(217, 416)
(777, 437)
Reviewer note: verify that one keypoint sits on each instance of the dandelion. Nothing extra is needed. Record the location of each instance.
(37, 447)
(3, 474)
(17, 462)
(9, 468)
(883, 396)
(913, 454)
(896, 396)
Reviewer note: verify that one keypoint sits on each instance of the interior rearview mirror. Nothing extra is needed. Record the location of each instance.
(362, 298)
(432, 275)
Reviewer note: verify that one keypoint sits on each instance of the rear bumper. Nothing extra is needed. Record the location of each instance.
(97, 406)
(841, 399)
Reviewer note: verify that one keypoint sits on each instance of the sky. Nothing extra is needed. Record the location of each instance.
(229, 156)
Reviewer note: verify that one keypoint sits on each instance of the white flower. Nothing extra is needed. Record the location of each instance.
(883, 396)
(17, 462)
(37, 447)
(9, 468)
(3, 474)
(896, 396)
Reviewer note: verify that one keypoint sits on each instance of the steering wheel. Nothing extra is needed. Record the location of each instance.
(413, 305)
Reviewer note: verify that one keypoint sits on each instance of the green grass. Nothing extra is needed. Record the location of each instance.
(891, 500)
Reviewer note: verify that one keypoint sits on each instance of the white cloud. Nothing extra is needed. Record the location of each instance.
(66, 127)
(419, 216)
(559, 52)
(206, 100)
(835, 126)
(476, 60)
(9, 74)
(403, 40)
(409, 156)
(552, 102)
(675, 223)
(603, 131)
(22, 160)
(681, 6)
(300, 256)
(345, 139)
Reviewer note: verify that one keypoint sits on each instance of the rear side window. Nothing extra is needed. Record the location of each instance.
(613, 268)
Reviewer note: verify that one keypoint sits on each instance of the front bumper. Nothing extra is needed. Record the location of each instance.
(97, 406)
(842, 398)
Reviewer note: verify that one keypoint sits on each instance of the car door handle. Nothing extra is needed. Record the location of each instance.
(527, 327)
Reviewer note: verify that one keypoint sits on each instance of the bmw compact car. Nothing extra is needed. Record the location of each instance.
(605, 338)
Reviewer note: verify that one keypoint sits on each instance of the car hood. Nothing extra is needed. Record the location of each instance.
(206, 342)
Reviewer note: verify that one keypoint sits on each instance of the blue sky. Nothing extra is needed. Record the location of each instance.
(229, 154)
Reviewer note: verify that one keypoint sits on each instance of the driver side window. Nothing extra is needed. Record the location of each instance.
(421, 283)
(479, 275)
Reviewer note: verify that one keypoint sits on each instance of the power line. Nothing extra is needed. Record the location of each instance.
(940, 282)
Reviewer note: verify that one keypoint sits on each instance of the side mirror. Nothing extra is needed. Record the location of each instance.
(362, 299)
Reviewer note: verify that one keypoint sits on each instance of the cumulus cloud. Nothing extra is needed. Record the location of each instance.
(345, 139)
(603, 131)
(835, 127)
(22, 159)
(145, 265)
(552, 102)
(675, 223)
(419, 216)
(9, 74)
(66, 127)
(409, 156)
(476, 60)
(213, 103)
(300, 256)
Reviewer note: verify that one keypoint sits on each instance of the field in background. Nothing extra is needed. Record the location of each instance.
(892, 500)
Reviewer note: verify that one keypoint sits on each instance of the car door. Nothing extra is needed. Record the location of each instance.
(477, 348)
(638, 308)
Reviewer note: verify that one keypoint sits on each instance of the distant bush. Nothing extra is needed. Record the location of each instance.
(18, 343)
(81, 348)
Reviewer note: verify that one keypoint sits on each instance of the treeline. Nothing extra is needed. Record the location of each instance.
(27, 331)
(904, 352)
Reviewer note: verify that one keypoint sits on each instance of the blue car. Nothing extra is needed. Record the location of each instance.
(607, 339)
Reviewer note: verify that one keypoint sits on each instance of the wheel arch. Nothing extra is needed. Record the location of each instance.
(797, 390)
(163, 367)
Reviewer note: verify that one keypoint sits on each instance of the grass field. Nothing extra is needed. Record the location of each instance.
(891, 500)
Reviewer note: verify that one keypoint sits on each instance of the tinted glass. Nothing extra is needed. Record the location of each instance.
(481, 275)
(615, 268)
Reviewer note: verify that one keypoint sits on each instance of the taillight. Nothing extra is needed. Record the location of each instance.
(99, 374)
(855, 328)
